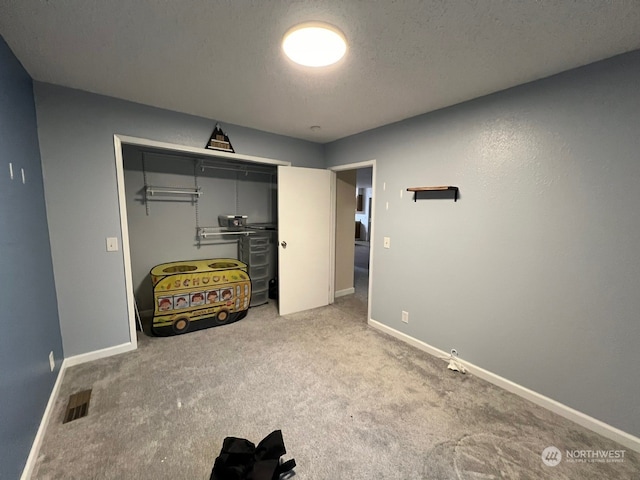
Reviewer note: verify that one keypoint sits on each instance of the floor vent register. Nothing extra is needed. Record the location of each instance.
(78, 406)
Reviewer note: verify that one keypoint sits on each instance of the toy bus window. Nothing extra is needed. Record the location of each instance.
(227, 294)
(180, 269)
(181, 301)
(213, 296)
(197, 298)
(165, 303)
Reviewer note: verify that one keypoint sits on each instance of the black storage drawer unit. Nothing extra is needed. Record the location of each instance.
(257, 250)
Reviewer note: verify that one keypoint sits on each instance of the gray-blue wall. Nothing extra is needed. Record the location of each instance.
(534, 273)
(29, 319)
(76, 141)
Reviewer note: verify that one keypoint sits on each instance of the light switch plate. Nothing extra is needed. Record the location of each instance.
(387, 242)
(112, 244)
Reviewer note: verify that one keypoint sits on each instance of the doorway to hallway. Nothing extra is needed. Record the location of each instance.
(354, 206)
(361, 270)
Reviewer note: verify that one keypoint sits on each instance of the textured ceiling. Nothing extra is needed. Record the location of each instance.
(222, 59)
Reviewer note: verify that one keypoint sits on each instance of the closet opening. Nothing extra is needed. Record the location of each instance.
(185, 206)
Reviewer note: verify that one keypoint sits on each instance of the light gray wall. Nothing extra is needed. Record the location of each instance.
(76, 139)
(29, 319)
(364, 177)
(167, 233)
(534, 273)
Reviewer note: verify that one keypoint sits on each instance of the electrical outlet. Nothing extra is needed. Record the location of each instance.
(405, 317)
(52, 362)
(386, 242)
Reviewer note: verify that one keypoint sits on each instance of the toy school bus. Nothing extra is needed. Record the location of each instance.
(198, 294)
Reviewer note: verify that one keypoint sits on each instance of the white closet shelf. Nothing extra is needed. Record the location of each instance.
(155, 190)
(205, 232)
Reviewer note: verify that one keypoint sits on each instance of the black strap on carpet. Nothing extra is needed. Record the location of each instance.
(240, 459)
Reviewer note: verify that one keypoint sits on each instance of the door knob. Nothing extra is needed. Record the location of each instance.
(284, 244)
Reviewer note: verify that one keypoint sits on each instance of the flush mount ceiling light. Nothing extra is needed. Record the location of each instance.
(314, 44)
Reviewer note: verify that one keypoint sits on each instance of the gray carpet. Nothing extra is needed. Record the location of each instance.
(361, 255)
(352, 403)
(360, 280)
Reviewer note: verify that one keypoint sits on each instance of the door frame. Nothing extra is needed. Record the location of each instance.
(118, 142)
(338, 168)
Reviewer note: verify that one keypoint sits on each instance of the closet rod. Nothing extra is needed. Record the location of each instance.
(211, 234)
(237, 169)
(242, 167)
(153, 190)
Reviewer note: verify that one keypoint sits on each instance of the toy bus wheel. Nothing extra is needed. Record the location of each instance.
(222, 316)
(181, 325)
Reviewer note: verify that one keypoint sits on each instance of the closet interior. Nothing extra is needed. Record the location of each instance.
(182, 206)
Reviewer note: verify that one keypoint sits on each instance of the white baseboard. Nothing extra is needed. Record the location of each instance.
(569, 413)
(66, 363)
(35, 447)
(95, 355)
(346, 291)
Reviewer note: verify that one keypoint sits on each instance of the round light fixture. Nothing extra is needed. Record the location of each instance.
(314, 44)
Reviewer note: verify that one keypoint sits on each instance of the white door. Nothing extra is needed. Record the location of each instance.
(304, 234)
